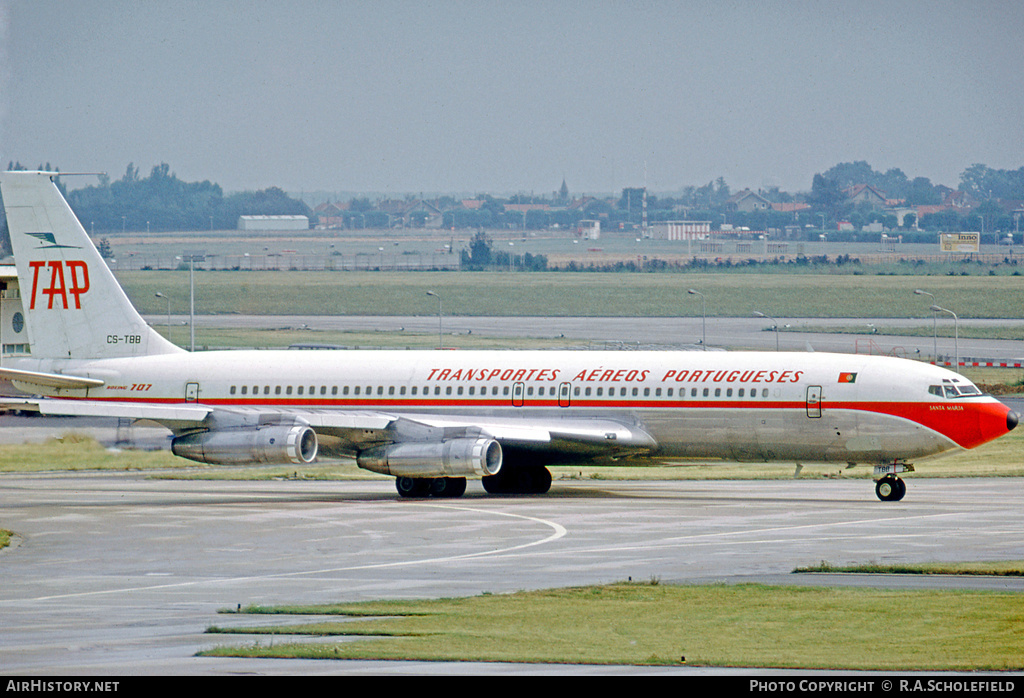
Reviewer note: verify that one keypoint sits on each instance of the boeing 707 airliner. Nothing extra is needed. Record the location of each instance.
(432, 419)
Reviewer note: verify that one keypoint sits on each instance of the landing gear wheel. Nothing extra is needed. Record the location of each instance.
(413, 486)
(496, 484)
(890, 488)
(534, 479)
(540, 480)
(448, 487)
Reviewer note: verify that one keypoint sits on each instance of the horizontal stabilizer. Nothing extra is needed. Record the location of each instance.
(49, 380)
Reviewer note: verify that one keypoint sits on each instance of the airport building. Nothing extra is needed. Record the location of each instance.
(273, 223)
(13, 336)
(681, 230)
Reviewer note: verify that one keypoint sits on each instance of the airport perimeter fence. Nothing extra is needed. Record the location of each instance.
(450, 262)
(291, 262)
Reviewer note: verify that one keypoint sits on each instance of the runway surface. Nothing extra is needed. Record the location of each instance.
(121, 574)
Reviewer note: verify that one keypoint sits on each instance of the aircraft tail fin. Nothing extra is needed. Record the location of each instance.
(73, 305)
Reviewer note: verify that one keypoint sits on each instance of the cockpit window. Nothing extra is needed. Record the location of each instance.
(953, 388)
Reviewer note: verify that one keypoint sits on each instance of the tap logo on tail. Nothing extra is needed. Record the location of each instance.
(77, 273)
(50, 242)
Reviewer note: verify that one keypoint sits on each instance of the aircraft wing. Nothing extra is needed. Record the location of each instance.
(175, 417)
(592, 437)
(347, 432)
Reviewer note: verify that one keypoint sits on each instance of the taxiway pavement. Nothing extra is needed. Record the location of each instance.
(120, 574)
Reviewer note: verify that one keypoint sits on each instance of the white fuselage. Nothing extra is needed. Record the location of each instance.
(747, 406)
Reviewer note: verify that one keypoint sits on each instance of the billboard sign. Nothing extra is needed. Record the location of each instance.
(959, 242)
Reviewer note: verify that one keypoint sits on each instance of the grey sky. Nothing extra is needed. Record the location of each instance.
(495, 96)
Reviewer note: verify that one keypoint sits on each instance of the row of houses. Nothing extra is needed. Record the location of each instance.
(412, 212)
(562, 210)
(429, 213)
(867, 195)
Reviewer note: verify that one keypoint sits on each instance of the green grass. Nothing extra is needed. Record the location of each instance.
(1008, 568)
(945, 330)
(1003, 457)
(283, 338)
(562, 294)
(75, 451)
(656, 624)
(5, 538)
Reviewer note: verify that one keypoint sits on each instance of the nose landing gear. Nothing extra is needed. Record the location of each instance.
(889, 487)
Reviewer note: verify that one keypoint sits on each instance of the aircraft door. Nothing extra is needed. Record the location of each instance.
(191, 392)
(814, 401)
(564, 390)
(518, 394)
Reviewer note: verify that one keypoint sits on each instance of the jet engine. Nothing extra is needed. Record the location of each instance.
(451, 458)
(275, 445)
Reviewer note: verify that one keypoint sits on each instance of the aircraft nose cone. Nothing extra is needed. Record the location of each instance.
(1011, 420)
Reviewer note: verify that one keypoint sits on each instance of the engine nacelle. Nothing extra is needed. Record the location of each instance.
(275, 445)
(451, 458)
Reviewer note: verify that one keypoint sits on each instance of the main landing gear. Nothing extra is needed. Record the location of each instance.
(524, 479)
(441, 487)
(527, 479)
(890, 487)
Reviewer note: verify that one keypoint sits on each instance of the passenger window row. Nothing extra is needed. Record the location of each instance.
(485, 391)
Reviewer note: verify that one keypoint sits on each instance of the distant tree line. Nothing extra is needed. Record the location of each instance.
(161, 202)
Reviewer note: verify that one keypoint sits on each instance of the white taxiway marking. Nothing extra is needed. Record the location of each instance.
(558, 532)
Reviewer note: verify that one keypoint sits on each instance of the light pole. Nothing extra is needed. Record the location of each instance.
(935, 329)
(440, 342)
(956, 334)
(192, 302)
(775, 326)
(703, 318)
(160, 295)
